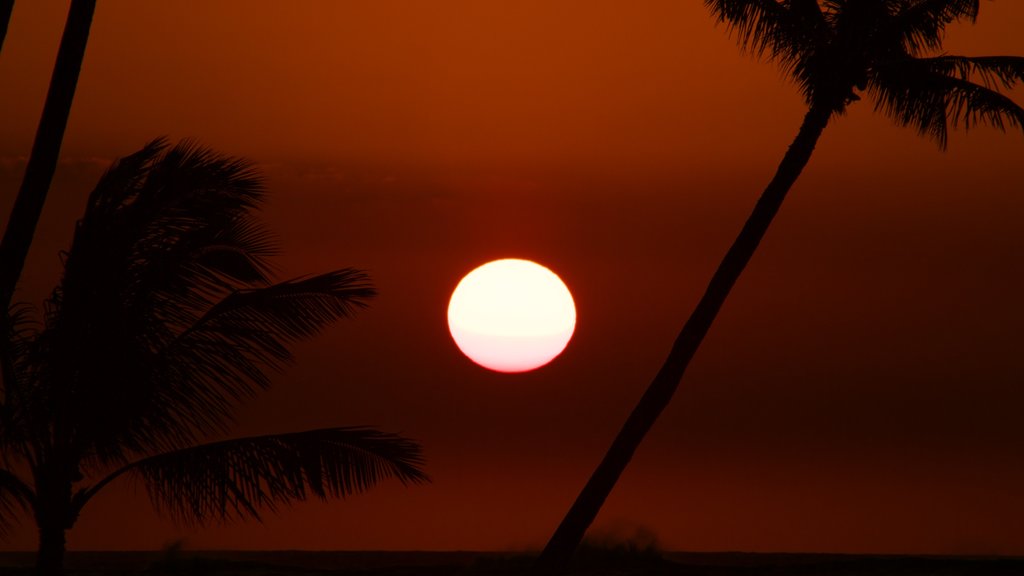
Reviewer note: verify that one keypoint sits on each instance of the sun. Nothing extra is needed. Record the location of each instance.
(511, 315)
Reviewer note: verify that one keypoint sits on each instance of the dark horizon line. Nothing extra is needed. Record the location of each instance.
(609, 545)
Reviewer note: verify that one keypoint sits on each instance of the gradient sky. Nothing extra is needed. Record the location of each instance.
(861, 391)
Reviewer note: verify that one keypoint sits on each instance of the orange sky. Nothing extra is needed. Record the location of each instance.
(860, 391)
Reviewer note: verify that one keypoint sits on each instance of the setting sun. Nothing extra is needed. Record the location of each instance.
(511, 315)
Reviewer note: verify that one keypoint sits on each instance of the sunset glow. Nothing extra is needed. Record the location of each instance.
(858, 391)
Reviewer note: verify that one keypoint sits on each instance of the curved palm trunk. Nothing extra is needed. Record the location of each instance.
(42, 163)
(6, 7)
(556, 555)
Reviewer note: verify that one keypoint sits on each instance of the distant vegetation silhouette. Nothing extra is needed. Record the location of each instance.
(834, 50)
(164, 320)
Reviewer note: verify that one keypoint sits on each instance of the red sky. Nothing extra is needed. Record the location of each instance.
(860, 392)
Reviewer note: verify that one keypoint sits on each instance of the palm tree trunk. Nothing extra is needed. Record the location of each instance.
(6, 7)
(52, 509)
(50, 557)
(42, 163)
(554, 559)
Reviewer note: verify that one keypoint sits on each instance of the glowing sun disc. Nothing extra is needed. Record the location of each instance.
(511, 315)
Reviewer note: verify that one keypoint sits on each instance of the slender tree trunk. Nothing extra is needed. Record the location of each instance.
(50, 557)
(52, 509)
(6, 7)
(554, 559)
(42, 163)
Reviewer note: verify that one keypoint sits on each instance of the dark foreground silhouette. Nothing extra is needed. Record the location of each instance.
(596, 561)
(166, 318)
(833, 51)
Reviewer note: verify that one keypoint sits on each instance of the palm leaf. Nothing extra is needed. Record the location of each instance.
(15, 497)
(237, 479)
(289, 310)
(21, 412)
(125, 174)
(164, 224)
(165, 316)
(992, 71)
(189, 387)
(225, 356)
(758, 24)
(918, 93)
(920, 23)
(789, 32)
(164, 236)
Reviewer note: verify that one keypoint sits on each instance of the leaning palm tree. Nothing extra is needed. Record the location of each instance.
(164, 320)
(42, 163)
(833, 50)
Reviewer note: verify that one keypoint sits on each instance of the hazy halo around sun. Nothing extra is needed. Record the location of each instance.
(511, 315)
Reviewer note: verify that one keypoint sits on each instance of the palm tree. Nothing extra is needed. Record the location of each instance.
(164, 320)
(833, 50)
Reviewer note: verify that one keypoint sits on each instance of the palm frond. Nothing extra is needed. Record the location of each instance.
(788, 32)
(993, 71)
(758, 24)
(921, 23)
(124, 175)
(290, 310)
(15, 496)
(917, 93)
(237, 254)
(238, 479)
(18, 334)
(172, 229)
(190, 386)
(168, 255)
(156, 210)
(153, 242)
(22, 327)
(17, 402)
(779, 29)
(227, 354)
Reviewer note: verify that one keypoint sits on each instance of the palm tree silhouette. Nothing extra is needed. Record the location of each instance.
(164, 320)
(832, 49)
